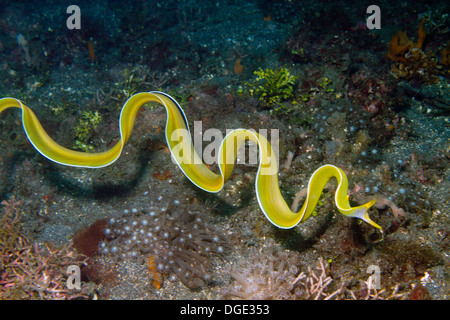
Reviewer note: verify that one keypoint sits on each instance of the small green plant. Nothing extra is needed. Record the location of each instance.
(319, 204)
(129, 86)
(324, 83)
(300, 119)
(58, 110)
(83, 131)
(301, 52)
(272, 86)
(180, 94)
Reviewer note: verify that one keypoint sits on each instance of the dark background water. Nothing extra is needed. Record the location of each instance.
(351, 107)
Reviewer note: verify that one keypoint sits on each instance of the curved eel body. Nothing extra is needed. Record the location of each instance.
(182, 149)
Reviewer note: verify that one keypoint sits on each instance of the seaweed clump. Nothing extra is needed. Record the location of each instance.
(272, 86)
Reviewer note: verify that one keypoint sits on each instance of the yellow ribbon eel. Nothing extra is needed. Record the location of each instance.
(181, 146)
